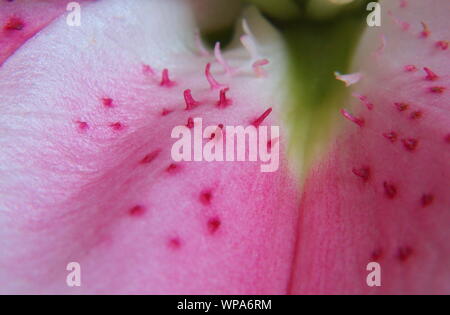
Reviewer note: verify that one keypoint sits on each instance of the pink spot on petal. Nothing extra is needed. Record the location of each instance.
(405, 26)
(363, 173)
(150, 157)
(258, 67)
(14, 24)
(82, 125)
(214, 225)
(166, 112)
(437, 89)
(364, 100)
(191, 103)
(172, 168)
(137, 211)
(404, 253)
(271, 143)
(212, 82)
(206, 197)
(359, 121)
(147, 70)
(165, 81)
(427, 200)
(442, 44)
(377, 254)
(107, 102)
(221, 60)
(190, 123)
(257, 122)
(425, 31)
(218, 134)
(411, 68)
(431, 76)
(416, 115)
(390, 190)
(174, 243)
(117, 126)
(391, 136)
(370, 106)
(402, 106)
(223, 100)
(410, 144)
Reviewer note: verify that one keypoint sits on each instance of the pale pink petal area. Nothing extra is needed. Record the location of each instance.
(86, 172)
(20, 20)
(381, 194)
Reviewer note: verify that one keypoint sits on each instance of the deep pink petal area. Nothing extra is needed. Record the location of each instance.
(86, 169)
(382, 194)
